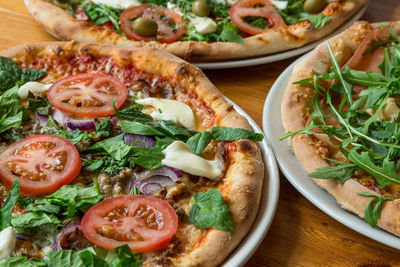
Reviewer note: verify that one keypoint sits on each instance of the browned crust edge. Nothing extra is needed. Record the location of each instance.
(297, 99)
(60, 23)
(243, 183)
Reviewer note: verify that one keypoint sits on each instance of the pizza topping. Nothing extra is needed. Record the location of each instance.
(120, 4)
(166, 109)
(192, 164)
(201, 8)
(139, 140)
(170, 24)
(35, 88)
(71, 237)
(280, 4)
(203, 25)
(89, 95)
(43, 163)
(66, 121)
(7, 242)
(144, 223)
(248, 9)
(314, 6)
(146, 27)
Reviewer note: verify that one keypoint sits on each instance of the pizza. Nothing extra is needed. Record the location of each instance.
(196, 30)
(120, 157)
(341, 112)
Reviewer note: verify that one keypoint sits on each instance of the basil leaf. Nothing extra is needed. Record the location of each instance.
(6, 210)
(342, 172)
(140, 128)
(132, 113)
(114, 147)
(150, 159)
(10, 73)
(233, 134)
(9, 102)
(91, 260)
(23, 261)
(169, 128)
(210, 211)
(39, 104)
(127, 258)
(32, 219)
(199, 141)
(318, 21)
(28, 75)
(65, 258)
(7, 123)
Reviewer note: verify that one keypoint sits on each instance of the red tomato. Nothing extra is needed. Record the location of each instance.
(89, 95)
(255, 8)
(42, 163)
(162, 15)
(142, 222)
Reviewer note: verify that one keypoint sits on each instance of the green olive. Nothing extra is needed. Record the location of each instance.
(145, 27)
(314, 6)
(200, 8)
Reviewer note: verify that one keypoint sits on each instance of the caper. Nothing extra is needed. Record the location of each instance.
(200, 8)
(314, 6)
(145, 27)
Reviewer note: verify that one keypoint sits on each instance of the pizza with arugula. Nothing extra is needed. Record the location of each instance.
(196, 30)
(120, 157)
(341, 111)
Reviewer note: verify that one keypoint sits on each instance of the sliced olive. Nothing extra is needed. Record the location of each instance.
(200, 8)
(314, 6)
(145, 27)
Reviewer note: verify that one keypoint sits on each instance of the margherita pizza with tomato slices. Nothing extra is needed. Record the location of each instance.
(196, 30)
(120, 157)
(342, 112)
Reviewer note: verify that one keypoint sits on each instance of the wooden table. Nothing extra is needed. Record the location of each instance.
(301, 234)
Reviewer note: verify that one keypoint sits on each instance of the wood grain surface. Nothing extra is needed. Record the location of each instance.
(301, 234)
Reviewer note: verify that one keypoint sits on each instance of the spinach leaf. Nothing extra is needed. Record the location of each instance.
(372, 214)
(232, 134)
(6, 210)
(342, 172)
(210, 211)
(199, 141)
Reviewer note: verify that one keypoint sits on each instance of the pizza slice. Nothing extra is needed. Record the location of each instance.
(201, 30)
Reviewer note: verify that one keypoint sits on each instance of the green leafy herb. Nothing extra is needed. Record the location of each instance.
(372, 214)
(23, 222)
(318, 21)
(135, 191)
(7, 123)
(232, 134)
(39, 104)
(140, 128)
(127, 258)
(342, 172)
(199, 141)
(9, 204)
(99, 14)
(210, 211)
(23, 261)
(133, 113)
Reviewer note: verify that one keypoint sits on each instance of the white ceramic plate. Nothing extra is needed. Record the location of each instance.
(278, 56)
(269, 200)
(294, 172)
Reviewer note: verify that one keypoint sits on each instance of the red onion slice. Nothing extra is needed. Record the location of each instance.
(139, 140)
(150, 181)
(65, 121)
(71, 237)
(43, 119)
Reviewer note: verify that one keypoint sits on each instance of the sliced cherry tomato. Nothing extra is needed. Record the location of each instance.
(255, 8)
(162, 15)
(42, 163)
(145, 223)
(89, 95)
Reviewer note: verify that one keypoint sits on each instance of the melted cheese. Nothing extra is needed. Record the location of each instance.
(166, 109)
(280, 4)
(389, 112)
(203, 25)
(33, 87)
(8, 240)
(179, 155)
(119, 4)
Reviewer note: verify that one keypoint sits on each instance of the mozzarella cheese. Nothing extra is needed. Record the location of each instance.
(33, 87)
(174, 8)
(167, 109)
(8, 240)
(119, 4)
(203, 25)
(179, 155)
(280, 4)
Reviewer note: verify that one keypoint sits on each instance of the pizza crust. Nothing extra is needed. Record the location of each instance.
(65, 27)
(297, 98)
(242, 185)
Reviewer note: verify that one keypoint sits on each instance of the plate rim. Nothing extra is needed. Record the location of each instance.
(280, 55)
(269, 201)
(343, 216)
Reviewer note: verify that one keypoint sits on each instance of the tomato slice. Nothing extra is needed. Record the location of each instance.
(162, 15)
(255, 8)
(42, 163)
(142, 222)
(89, 94)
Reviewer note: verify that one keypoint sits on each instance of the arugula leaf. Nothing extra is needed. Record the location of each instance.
(210, 211)
(318, 21)
(7, 123)
(385, 176)
(199, 141)
(99, 14)
(372, 214)
(228, 35)
(232, 134)
(9, 203)
(342, 172)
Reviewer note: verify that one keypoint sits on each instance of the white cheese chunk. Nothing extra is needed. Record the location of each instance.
(280, 4)
(175, 8)
(202, 25)
(33, 87)
(8, 240)
(389, 111)
(119, 4)
(179, 155)
(167, 109)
